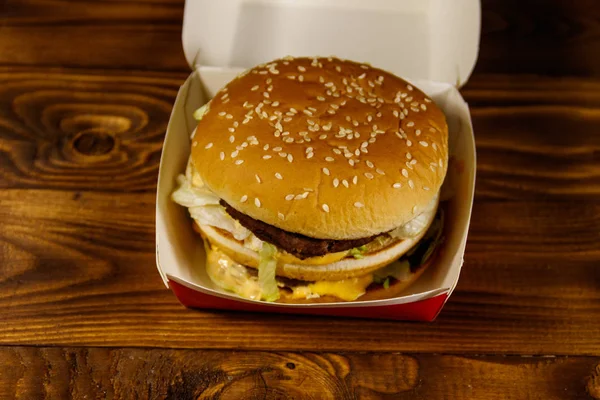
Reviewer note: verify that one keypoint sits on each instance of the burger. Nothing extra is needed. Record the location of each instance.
(316, 180)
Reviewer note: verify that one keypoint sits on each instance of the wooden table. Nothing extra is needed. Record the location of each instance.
(85, 95)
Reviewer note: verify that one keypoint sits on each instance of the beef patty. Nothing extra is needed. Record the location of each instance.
(298, 245)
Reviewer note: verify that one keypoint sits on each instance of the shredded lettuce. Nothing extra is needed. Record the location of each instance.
(358, 252)
(266, 272)
(386, 283)
(399, 270)
(204, 207)
(199, 113)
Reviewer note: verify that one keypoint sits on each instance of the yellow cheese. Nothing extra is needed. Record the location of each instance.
(287, 258)
(347, 289)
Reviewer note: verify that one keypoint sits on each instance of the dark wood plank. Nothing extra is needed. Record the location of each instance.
(59, 373)
(78, 269)
(558, 37)
(91, 33)
(85, 130)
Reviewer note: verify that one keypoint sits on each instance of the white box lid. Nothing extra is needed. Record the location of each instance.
(435, 40)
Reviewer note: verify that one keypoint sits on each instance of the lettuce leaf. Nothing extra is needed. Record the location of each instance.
(266, 272)
(358, 252)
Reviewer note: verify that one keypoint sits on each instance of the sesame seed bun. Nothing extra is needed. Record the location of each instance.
(323, 147)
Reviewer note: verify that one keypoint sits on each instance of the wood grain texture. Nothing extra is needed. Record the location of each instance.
(93, 33)
(537, 138)
(558, 37)
(59, 373)
(83, 131)
(79, 270)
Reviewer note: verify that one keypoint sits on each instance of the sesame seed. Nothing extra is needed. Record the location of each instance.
(254, 88)
(357, 152)
(369, 175)
(208, 146)
(229, 116)
(257, 178)
(423, 143)
(222, 114)
(301, 68)
(244, 198)
(414, 209)
(336, 182)
(408, 155)
(369, 164)
(195, 143)
(222, 156)
(325, 207)
(423, 107)
(231, 130)
(278, 175)
(434, 146)
(426, 188)
(380, 171)
(282, 154)
(281, 216)
(427, 100)
(411, 184)
(345, 183)
(358, 204)
(239, 162)
(235, 154)
(409, 87)
(404, 173)
(329, 159)
(440, 163)
(410, 124)
(277, 148)
(355, 179)
(290, 158)
(266, 156)
(300, 78)
(289, 197)
(408, 143)
(397, 185)
(338, 68)
(326, 171)
(231, 139)
(257, 202)
(307, 112)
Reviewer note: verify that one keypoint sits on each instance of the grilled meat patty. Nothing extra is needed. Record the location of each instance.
(298, 245)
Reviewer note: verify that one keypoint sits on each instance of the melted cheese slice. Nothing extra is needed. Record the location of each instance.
(321, 260)
(347, 289)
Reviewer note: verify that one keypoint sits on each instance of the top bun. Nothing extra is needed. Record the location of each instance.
(323, 147)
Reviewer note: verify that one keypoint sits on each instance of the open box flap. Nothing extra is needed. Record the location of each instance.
(180, 254)
(435, 40)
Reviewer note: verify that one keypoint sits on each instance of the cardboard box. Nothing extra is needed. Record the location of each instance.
(432, 43)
